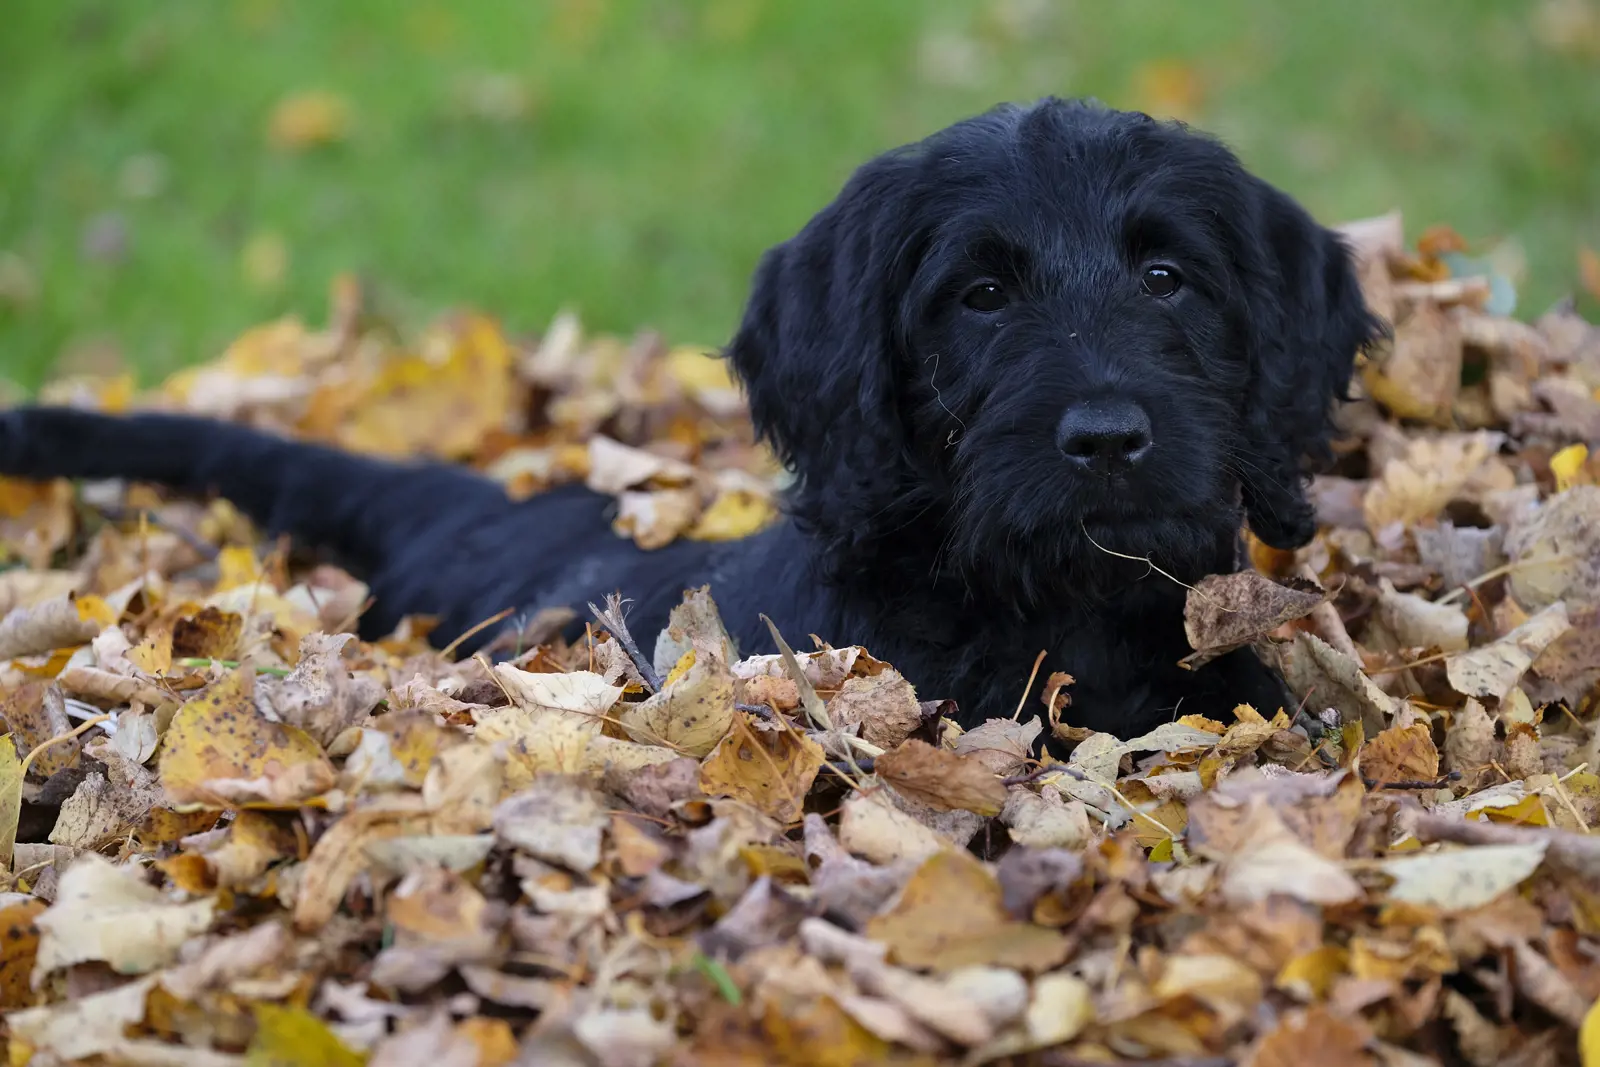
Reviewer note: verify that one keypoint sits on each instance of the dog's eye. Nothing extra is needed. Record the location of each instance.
(986, 298)
(1161, 280)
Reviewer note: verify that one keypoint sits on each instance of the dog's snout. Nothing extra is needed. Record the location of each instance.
(1105, 436)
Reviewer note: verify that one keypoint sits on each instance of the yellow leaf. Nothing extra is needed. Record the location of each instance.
(1567, 466)
(771, 770)
(1401, 753)
(153, 654)
(951, 915)
(692, 713)
(19, 947)
(1589, 1036)
(1310, 975)
(11, 772)
(236, 566)
(287, 1037)
(732, 515)
(220, 751)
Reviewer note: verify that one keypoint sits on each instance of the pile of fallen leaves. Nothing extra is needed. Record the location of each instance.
(237, 834)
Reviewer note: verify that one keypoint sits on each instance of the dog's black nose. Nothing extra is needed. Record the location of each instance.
(1105, 436)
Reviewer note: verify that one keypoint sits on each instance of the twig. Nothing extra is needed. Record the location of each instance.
(118, 514)
(1022, 779)
(760, 711)
(1037, 662)
(1470, 584)
(611, 618)
(1148, 562)
(465, 634)
(1423, 662)
(865, 765)
(1413, 783)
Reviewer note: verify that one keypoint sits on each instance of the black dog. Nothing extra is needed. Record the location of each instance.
(1003, 361)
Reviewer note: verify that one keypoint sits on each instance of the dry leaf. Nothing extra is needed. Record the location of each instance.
(769, 769)
(556, 819)
(924, 930)
(1462, 879)
(942, 779)
(1493, 670)
(1229, 611)
(693, 711)
(1401, 754)
(103, 912)
(58, 623)
(220, 751)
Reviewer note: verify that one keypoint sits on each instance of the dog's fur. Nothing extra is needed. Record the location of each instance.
(934, 517)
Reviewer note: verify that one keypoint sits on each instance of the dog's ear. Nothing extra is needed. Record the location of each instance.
(817, 349)
(1307, 321)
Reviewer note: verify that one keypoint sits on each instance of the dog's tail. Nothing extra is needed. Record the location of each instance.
(360, 509)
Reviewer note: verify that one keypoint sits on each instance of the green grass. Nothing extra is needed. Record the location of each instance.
(668, 142)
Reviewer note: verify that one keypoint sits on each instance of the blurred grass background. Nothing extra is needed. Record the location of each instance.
(173, 172)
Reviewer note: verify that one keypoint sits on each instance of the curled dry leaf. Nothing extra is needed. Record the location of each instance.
(942, 779)
(692, 711)
(1229, 611)
(884, 705)
(104, 912)
(320, 696)
(1324, 677)
(1494, 669)
(58, 623)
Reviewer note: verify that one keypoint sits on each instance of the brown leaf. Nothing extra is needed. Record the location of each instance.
(320, 696)
(35, 713)
(209, 634)
(951, 915)
(1002, 745)
(942, 779)
(1314, 1037)
(1229, 611)
(770, 769)
(1401, 753)
(885, 705)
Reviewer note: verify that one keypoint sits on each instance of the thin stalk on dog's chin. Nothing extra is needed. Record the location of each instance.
(1146, 560)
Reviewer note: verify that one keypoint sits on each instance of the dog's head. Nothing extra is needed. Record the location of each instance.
(1052, 325)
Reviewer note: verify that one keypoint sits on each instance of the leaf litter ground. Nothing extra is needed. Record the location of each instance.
(239, 835)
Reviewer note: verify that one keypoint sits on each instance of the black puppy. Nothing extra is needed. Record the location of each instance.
(1003, 361)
